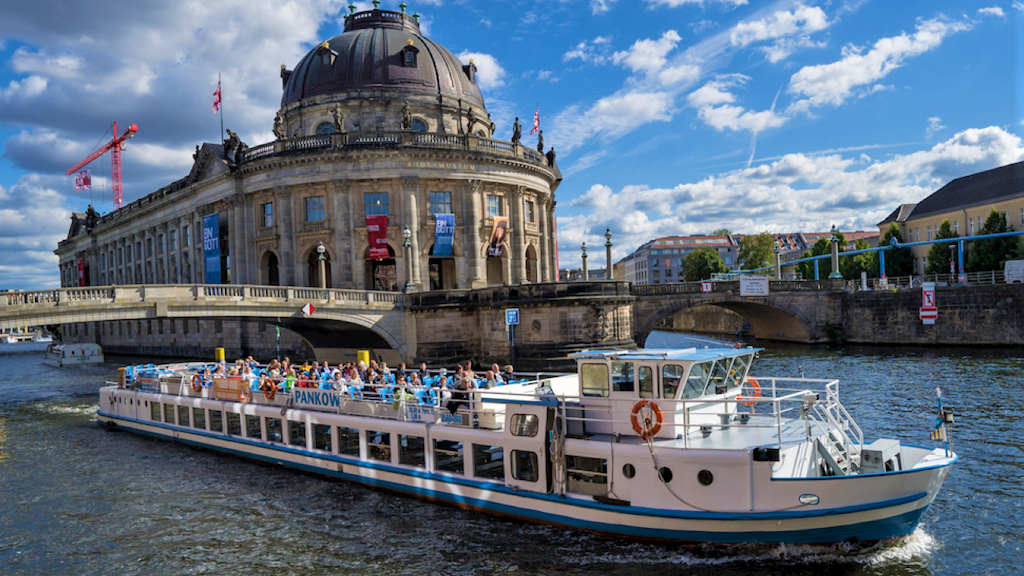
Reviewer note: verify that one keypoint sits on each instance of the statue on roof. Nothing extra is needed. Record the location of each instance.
(234, 148)
(339, 118)
(493, 127)
(406, 117)
(517, 131)
(551, 157)
(279, 132)
(540, 141)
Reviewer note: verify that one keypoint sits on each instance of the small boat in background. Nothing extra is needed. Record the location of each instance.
(73, 354)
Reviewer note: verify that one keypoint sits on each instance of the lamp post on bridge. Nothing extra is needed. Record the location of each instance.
(835, 255)
(608, 252)
(586, 276)
(778, 260)
(320, 257)
(407, 244)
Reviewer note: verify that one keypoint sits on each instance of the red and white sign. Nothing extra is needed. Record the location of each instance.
(377, 234)
(83, 180)
(308, 309)
(216, 98)
(81, 271)
(707, 287)
(929, 312)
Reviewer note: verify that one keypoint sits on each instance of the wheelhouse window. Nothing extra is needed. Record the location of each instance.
(154, 411)
(199, 418)
(622, 377)
(315, 209)
(645, 375)
(524, 425)
(217, 421)
(322, 437)
(587, 475)
(267, 210)
(234, 424)
(719, 375)
(489, 461)
(595, 380)
(348, 441)
(448, 456)
(738, 371)
(252, 427)
(379, 445)
(412, 451)
(524, 466)
(376, 203)
(440, 203)
(697, 380)
(671, 375)
(297, 433)
(493, 205)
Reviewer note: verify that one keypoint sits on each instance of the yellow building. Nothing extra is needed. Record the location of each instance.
(966, 202)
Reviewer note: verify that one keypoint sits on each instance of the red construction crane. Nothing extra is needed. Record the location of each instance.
(115, 146)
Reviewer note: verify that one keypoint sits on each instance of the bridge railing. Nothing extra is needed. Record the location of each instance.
(719, 287)
(190, 292)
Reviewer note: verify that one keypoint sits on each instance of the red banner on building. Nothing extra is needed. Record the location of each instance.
(81, 271)
(83, 180)
(377, 234)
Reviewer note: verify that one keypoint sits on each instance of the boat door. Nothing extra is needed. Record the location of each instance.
(526, 446)
(631, 383)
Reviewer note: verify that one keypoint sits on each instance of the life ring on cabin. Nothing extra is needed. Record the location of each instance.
(197, 383)
(756, 394)
(243, 391)
(269, 391)
(646, 429)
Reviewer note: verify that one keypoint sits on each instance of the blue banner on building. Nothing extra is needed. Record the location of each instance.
(444, 234)
(211, 248)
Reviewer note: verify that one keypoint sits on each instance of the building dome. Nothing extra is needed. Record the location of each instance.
(381, 50)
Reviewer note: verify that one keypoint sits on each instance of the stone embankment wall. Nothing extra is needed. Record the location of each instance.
(189, 338)
(975, 315)
(710, 319)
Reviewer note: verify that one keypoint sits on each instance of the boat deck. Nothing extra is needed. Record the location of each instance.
(758, 431)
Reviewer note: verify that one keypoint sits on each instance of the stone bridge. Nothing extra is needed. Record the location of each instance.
(794, 310)
(343, 318)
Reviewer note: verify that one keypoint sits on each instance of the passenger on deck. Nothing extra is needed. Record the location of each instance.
(491, 381)
(267, 384)
(219, 372)
(423, 371)
(496, 371)
(402, 370)
(233, 372)
(290, 380)
(384, 370)
(468, 370)
(508, 375)
(414, 380)
(247, 375)
(461, 394)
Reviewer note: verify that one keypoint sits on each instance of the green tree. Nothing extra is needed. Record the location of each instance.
(898, 261)
(991, 253)
(702, 263)
(939, 254)
(722, 232)
(852, 266)
(822, 247)
(757, 251)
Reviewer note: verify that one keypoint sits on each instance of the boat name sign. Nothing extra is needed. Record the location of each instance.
(316, 399)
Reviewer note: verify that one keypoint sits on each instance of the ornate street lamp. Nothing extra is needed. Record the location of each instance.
(835, 254)
(407, 243)
(586, 276)
(320, 256)
(608, 252)
(778, 260)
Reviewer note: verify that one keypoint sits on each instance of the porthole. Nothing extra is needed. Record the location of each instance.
(705, 477)
(418, 125)
(628, 471)
(666, 475)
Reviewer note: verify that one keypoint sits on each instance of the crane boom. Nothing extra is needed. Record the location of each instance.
(115, 160)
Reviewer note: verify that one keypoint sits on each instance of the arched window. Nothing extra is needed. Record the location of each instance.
(325, 128)
(409, 55)
(382, 274)
(418, 125)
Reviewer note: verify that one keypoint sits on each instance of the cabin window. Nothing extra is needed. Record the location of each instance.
(217, 421)
(489, 461)
(524, 466)
(413, 451)
(234, 424)
(448, 456)
(252, 427)
(154, 412)
(524, 425)
(273, 429)
(622, 377)
(587, 475)
(379, 445)
(645, 375)
(595, 380)
(718, 376)
(322, 437)
(199, 418)
(297, 433)
(671, 374)
(348, 441)
(697, 380)
(182, 415)
(738, 371)
(169, 413)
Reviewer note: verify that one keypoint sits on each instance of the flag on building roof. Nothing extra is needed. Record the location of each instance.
(83, 180)
(536, 122)
(216, 98)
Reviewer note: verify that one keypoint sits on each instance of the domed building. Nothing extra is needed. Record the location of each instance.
(384, 157)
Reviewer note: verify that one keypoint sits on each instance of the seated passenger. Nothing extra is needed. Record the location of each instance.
(290, 380)
(461, 394)
(491, 380)
(496, 370)
(423, 371)
(414, 380)
(247, 375)
(507, 374)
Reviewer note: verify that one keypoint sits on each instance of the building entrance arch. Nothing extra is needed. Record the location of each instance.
(270, 269)
(442, 272)
(382, 274)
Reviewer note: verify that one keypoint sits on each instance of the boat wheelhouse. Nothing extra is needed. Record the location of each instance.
(678, 445)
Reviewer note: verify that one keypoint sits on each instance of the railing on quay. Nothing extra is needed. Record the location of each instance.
(720, 287)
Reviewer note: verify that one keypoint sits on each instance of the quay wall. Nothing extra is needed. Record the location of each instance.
(708, 319)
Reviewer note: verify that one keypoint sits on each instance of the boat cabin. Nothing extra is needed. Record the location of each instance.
(73, 354)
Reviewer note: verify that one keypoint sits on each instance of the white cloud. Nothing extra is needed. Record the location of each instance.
(934, 125)
(609, 117)
(601, 6)
(596, 51)
(795, 193)
(679, 74)
(993, 11)
(27, 88)
(703, 25)
(714, 104)
(802, 21)
(25, 61)
(783, 47)
(35, 218)
(1019, 6)
(489, 74)
(677, 3)
(836, 82)
(648, 55)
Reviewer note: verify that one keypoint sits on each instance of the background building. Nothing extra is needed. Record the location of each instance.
(376, 122)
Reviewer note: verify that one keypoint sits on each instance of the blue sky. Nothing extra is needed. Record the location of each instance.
(668, 116)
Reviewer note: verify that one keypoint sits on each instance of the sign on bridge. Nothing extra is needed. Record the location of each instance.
(751, 285)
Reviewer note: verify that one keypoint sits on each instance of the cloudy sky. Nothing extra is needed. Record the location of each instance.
(668, 116)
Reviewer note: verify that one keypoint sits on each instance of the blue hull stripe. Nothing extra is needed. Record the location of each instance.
(900, 525)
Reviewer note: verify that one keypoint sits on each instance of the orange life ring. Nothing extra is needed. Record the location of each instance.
(756, 394)
(269, 390)
(243, 391)
(647, 430)
(197, 383)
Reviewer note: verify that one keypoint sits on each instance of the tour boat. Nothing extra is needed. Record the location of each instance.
(673, 445)
(73, 354)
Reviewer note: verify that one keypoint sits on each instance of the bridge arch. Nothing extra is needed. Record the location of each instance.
(769, 319)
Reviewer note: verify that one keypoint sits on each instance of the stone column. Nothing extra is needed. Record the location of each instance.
(248, 233)
(286, 269)
(552, 240)
(518, 221)
(474, 250)
(411, 187)
(240, 233)
(341, 265)
(542, 245)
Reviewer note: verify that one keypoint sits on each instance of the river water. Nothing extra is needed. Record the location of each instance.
(77, 499)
